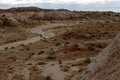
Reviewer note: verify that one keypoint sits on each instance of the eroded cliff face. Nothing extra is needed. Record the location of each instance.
(30, 15)
(107, 64)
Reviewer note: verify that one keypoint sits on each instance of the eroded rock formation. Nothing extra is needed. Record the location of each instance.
(30, 15)
(107, 64)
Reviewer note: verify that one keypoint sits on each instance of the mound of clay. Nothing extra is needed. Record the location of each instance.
(107, 64)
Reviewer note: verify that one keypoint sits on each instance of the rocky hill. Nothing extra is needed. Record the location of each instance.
(30, 15)
(107, 64)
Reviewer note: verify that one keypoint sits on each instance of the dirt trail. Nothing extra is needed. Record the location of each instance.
(53, 69)
(46, 34)
(15, 44)
(44, 30)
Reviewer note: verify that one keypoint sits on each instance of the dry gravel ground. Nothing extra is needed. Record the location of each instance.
(57, 51)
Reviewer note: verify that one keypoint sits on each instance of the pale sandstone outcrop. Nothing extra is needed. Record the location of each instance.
(107, 64)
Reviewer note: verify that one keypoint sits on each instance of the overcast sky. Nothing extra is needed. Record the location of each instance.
(93, 5)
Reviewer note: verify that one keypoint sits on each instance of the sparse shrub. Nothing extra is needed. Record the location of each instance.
(80, 70)
(27, 48)
(29, 64)
(60, 62)
(48, 78)
(57, 44)
(107, 21)
(43, 40)
(12, 58)
(51, 57)
(88, 27)
(30, 43)
(76, 46)
(18, 77)
(41, 52)
(6, 48)
(75, 54)
(67, 42)
(91, 48)
(87, 60)
(117, 15)
(34, 68)
(100, 46)
(12, 47)
(41, 63)
(106, 32)
(51, 48)
(55, 39)
(32, 53)
(65, 68)
(41, 35)
(22, 45)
